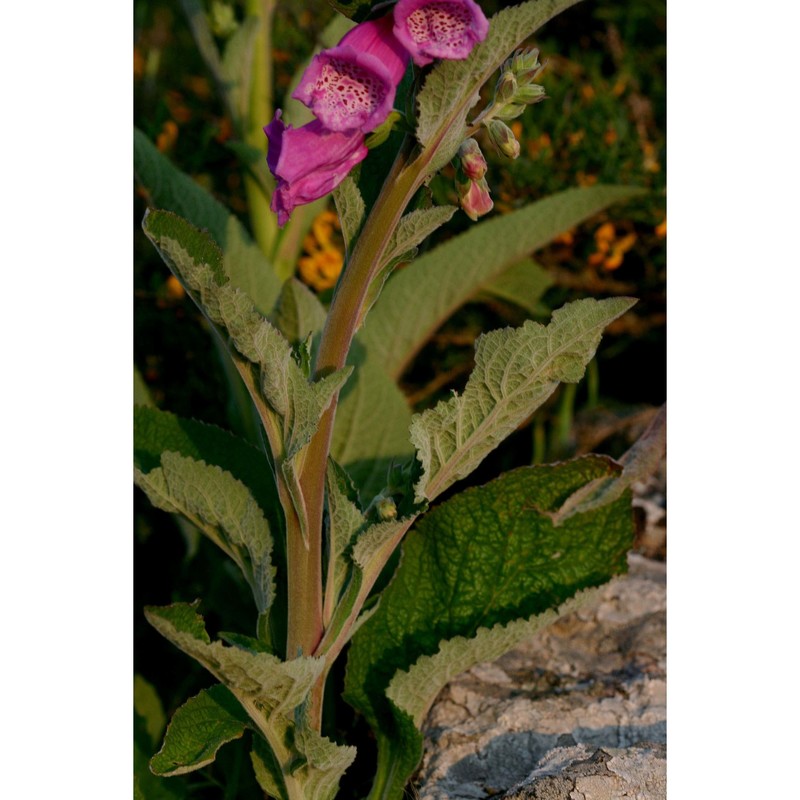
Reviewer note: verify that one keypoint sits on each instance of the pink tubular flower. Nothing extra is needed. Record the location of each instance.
(351, 87)
(308, 162)
(474, 198)
(439, 28)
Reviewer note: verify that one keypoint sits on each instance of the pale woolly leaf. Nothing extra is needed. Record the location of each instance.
(223, 508)
(516, 370)
(414, 691)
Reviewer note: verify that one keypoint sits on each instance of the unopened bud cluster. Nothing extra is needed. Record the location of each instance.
(514, 92)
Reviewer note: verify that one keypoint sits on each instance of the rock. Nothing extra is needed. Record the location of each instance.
(579, 712)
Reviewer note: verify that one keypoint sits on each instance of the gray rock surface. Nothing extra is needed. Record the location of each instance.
(579, 712)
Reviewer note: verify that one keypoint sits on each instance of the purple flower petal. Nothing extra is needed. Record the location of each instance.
(308, 162)
(351, 87)
(432, 29)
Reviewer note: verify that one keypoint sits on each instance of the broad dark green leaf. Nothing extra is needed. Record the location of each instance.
(198, 729)
(489, 556)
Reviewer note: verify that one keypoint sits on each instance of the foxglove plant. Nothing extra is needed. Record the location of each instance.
(340, 473)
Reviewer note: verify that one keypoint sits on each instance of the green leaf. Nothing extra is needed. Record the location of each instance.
(640, 461)
(452, 87)
(198, 729)
(236, 69)
(289, 404)
(351, 210)
(298, 313)
(169, 188)
(371, 431)
(263, 684)
(524, 284)
(147, 707)
(418, 299)
(414, 691)
(272, 693)
(223, 508)
(516, 370)
(156, 431)
(323, 764)
(141, 394)
(344, 519)
(488, 557)
(413, 229)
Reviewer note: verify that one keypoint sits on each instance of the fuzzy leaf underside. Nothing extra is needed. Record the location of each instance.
(351, 210)
(169, 188)
(156, 431)
(189, 253)
(223, 508)
(323, 764)
(516, 370)
(417, 300)
(272, 693)
(451, 88)
(488, 557)
(413, 229)
(344, 520)
(414, 691)
(272, 686)
(640, 461)
(297, 314)
(198, 729)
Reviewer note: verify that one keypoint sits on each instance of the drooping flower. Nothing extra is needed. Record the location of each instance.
(432, 29)
(308, 162)
(351, 87)
(474, 197)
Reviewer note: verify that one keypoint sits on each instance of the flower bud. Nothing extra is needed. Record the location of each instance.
(387, 509)
(525, 65)
(471, 160)
(474, 197)
(530, 93)
(511, 111)
(503, 138)
(506, 88)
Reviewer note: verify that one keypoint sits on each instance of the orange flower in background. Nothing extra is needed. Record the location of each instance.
(661, 229)
(168, 136)
(324, 259)
(610, 251)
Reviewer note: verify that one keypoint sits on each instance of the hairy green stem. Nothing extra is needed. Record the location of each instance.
(340, 327)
